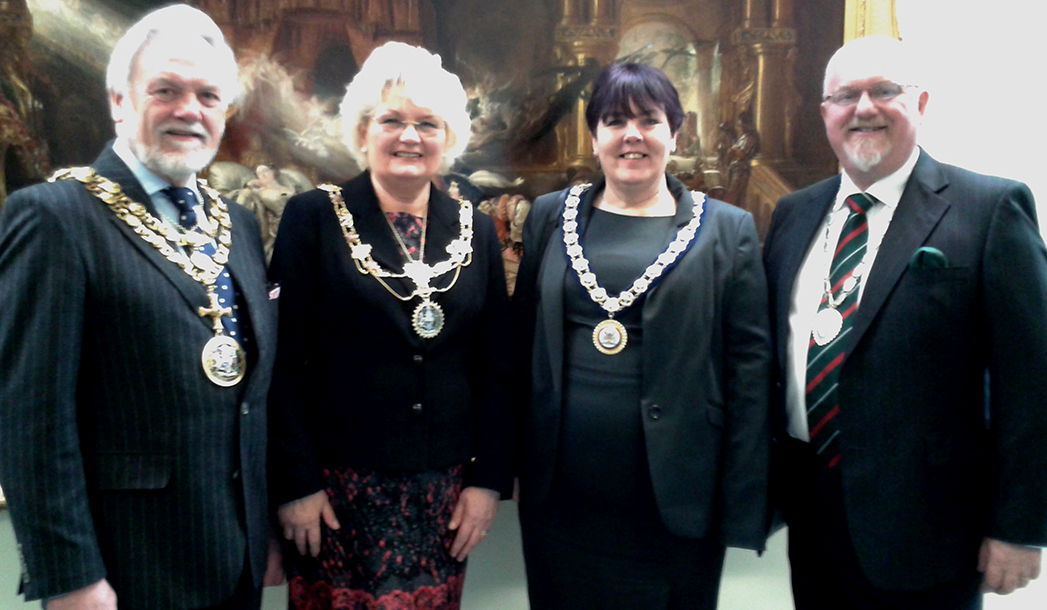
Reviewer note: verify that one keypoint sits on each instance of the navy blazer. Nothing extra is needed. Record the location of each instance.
(706, 369)
(931, 465)
(354, 385)
(119, 458)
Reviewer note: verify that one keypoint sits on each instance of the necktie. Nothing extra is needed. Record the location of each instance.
(823, 361)
(185, 200)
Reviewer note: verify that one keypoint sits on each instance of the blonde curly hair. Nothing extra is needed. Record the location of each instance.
(419, 76)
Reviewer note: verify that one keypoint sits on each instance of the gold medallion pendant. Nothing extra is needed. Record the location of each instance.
(428, 319)
(224, 361)
(610, 337)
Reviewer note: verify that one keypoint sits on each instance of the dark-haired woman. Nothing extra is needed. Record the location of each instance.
(641, 311)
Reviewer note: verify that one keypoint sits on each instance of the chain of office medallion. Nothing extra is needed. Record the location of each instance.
(460, 249)
(155, 232)
(586, 277)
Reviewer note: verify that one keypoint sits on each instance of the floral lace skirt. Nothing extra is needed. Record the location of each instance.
(393, 549)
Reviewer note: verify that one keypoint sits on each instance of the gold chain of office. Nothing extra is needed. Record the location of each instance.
(199, 266)
(428, 317)
(222, 358)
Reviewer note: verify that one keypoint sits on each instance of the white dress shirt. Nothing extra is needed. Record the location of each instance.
(810, 280)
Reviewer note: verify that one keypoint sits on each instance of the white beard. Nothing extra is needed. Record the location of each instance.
(865, 158)
(177, 166)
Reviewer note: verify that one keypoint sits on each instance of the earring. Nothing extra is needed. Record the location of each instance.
(363, 149)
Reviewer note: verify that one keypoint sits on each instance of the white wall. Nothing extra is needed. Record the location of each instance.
(986, 112)
(988, 62)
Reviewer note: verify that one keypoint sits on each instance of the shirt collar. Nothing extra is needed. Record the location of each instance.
(887, 190)
(152, 183)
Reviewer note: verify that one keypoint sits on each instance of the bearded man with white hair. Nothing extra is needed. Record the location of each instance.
(136, 347)
(908, 302)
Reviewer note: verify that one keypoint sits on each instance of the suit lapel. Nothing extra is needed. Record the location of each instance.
(441, 225)
(248, 272)
(684, 213)
(371, 224)
(551, 284)
(919, 211)
(110, 166)
(799, 231)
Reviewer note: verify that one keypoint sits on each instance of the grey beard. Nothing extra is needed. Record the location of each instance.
(175, 166)
(866, 160)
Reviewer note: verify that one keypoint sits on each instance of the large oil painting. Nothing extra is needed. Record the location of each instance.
(748, 72)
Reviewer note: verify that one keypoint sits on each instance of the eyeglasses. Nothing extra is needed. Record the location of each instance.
(881, 92)
(395, 125)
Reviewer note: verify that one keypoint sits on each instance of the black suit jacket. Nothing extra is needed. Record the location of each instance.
(354, 385)
(119, 458)
(931, 463)
(706, 370)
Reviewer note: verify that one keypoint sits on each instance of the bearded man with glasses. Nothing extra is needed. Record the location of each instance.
(907, 301)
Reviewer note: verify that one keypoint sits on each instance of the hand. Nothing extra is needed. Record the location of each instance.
(472, 516)
(274, 569)
(97, 596)
(301, 521)
(1007, 566)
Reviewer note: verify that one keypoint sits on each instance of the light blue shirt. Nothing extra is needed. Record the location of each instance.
(154, 185)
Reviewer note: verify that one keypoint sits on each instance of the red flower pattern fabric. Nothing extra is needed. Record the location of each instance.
(393, 549)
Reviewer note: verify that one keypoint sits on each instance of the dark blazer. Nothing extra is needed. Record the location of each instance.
(354, 385)
(119, 458)
(706, 369)
(931, 465)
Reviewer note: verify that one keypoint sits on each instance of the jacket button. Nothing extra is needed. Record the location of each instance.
(244, 409)
(416, 408)
(418, 359)
(654, 412)
(236, 475)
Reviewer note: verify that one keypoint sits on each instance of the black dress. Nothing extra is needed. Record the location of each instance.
(598, 540)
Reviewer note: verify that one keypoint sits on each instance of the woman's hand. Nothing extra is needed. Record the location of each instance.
(301, 521)
(472, 516)
(274, 569)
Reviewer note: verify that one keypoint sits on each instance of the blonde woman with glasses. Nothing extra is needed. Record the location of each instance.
(390, 444)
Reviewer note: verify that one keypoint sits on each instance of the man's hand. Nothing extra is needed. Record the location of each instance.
(472, 516)
(98, 596)
(301, 521)
(1007, 566)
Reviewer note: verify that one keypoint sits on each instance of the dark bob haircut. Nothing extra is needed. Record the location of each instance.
(622, 87)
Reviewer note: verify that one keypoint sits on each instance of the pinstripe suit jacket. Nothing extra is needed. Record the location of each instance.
(119, 458)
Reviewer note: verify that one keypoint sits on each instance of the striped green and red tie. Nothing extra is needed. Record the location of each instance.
(823, 361)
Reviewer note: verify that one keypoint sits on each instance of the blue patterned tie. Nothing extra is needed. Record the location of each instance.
(185, 200)
(823, 361)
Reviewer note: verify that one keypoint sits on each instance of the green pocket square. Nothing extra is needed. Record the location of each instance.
(928, 258)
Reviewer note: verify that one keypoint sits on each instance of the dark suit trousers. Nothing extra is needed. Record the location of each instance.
(245, 597)
(826, 574)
